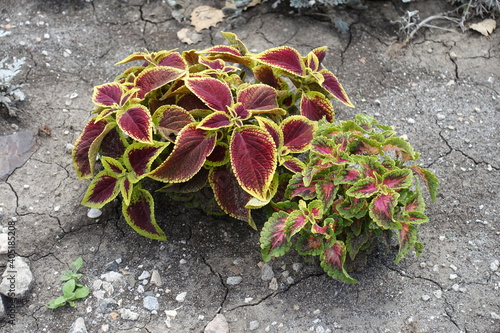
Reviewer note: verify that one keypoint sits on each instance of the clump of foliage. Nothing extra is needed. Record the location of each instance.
(354, 190)
(72, 290)
(223, 129)
(472, 8)
(10, 92)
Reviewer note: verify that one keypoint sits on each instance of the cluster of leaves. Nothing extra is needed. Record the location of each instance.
(10, 92)
(72, 290)
(354, 190)
(198, 124)
(474, 8)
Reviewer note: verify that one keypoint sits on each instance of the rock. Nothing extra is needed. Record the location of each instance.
(453, 276)
(108, 287)
(15, 150)
(181, 297)
(111, 276)
(438, 293)
(3, 243)
(266, 272)
(217, 325)
(495, 316)
(273, 285)
(234, 280)
(144, 275)
(297, 266)
(494, 265)
(94, 213)
(78, 326)
(156, 278)
(426, 297)
(112, 266)
(128, 314)
(254, 324)
(16, 279)
(151, 303)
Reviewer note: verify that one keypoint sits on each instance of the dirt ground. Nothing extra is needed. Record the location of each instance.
(442, 91)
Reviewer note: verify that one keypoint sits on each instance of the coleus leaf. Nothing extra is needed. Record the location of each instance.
(354, 243)
(195, 184)
(156, 77)
(219, 156)
(292, 163)
(254, 159)
(192, 146)
(216, 120)
(227, 53)
(400, 146)
(333, 86)
(273, 238)
(113, 166)
(87, 146)
(430, 180)
(347, 176)
(332, 262)
(351, 207)
(126, 188)
(284, 58)
(108, 94)
(298, 132)
(258, 98)
(295, 222)
(315, 106)
(170, 119)
(266, 75)
(381, 209)
(296, 187)
(113, 144)
(398, 179)
(320, 53)
(273, 129)
(174, 60)
(139, 156)
(326, 192)
(139, 214)
(323, 146)
(136, 122)
(102, 189)
(214, 93)
(414, 217)
(309, 244)
(407, 238)
(228, 194)
(235, 42)
(363, 188)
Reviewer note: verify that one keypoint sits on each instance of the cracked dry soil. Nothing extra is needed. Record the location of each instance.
(442, 91)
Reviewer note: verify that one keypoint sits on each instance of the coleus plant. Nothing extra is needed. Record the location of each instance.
(356, 188)
(197, 120)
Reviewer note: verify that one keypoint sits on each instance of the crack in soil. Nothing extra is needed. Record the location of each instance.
(226, 289)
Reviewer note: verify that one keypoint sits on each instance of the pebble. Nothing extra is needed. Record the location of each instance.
(108, 287)
(455, 287)
(181, 297)
(128, 314)
(440, 116)
(144, 275)
(266, 273)
(68, 148)
(438, 293)
(156, 278)
(20, 271)
(78, 326)
(411, 121)
(453, 267)
(151, 303)
(453, 276)
(140, 289)
(111, 276)
(94, 213)
(495, 316)
(426, 297)
(297, 266)
(494, 265)
(273, 285)
(377, 102)
(105, 328)
(254, 324)
(234, 280)
(217, 325)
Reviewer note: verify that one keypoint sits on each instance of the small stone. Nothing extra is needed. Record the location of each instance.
(453, 267)
(290, 280)
(297, 266)
(151, 303)
(453, 55)
(494, 316)
(234, 280)
(17, 272)
(494, 265)
(438, 293)
(140, 289)
(248, 299)
(171, 313)
(455, 287)
(411, 121)
(442, 238)
(112, 266)
(181, 297)
(422, 265)
(73, 95)
(440, 116)
(4, 243)
(429, 50)
(453, 276)
(94, 213)
(426, 297)
(68, 148)
(377, 102)
(156, 278)
(26, 186)
(78, 326)
(217, 325)
(128, 314)
(144, 275)
(105, 328)
(266, 272)
(97, 284)
(108, 287)
(254, 324)
(111, 276)
(46, 36)
(183, 261)
(273, 285)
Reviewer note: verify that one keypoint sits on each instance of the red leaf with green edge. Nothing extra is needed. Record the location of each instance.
(297, 188)
(312, 61)
(430, 180)
(326, 192)
(400, 146)
(133, 57)
(136, 122)
(363, 188)
(192, 146)
(113, 144)
(284, 58)
(258, 97)
(295, 222)
(364, 146)
(298, 132)
(332, 85)
(170, 119)
(156, 77)
(332, 262)
(195, 184)
(370, 166)
(381, 209)
(139, 156)
(113, 166)
(174, 60)
(315, 106)
(351, 207)
(315, 209)
(320, 52)
(273, 129)
(309, 244)
(407, 238)
(347, 176)
(126, 189)
(139, 214)
(213, 64)
(228, 193)
(398, 179)
(266, 75)
(323, 146)
(239, 111)
(216, 120)
(87, 146)
(191, 102)
(108, 94)
(293, 164)
(415, 217)
(219, 156)
(355, 243)
(102, 189)
(227, 53)
(273, 238)
(235, 42)
(214, 93)
(254, 159)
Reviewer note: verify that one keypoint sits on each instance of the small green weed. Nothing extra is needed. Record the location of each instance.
(72, 290)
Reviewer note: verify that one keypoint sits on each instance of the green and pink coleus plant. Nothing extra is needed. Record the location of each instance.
(222, 121)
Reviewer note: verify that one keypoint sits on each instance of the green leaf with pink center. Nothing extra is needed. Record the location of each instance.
(381, 210)
(273, 238)
(332, 262)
